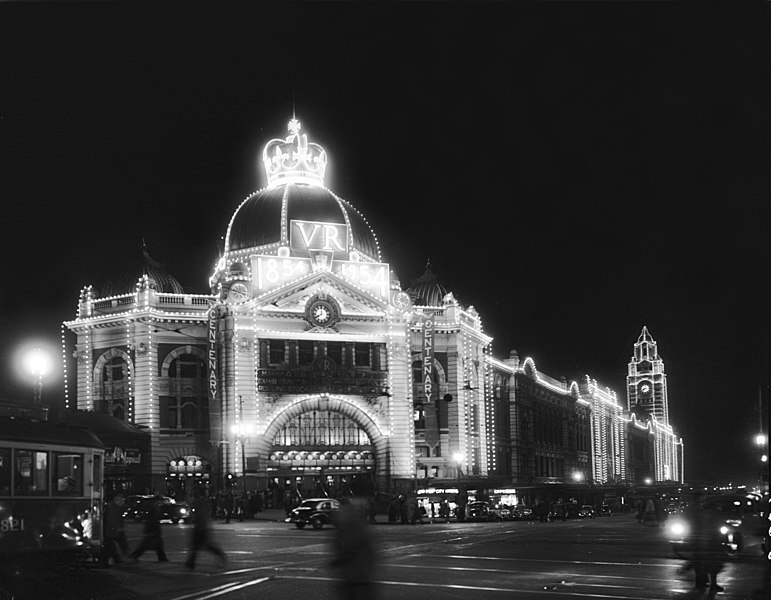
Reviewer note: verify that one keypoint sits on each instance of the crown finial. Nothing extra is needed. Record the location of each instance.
(294, 160)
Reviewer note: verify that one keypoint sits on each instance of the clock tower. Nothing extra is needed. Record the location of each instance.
(646, 381)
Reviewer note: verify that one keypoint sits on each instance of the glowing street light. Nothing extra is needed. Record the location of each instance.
(243, 431)
(578, 476)
(458, 459)
(38, 363)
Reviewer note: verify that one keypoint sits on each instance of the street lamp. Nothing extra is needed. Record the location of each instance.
(242, 431)
(459, 458)
(760, 440)
(38, 363)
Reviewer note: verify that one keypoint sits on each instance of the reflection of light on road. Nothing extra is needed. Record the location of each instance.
(220, 590)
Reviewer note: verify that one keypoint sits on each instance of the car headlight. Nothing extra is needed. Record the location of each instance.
(724, 530)
(678, 529)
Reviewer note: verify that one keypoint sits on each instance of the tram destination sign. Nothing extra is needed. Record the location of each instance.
(279, 381)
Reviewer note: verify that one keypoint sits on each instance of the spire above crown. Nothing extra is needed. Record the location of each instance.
(294, 160)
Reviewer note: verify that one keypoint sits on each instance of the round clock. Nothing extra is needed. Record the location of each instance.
(238, 292)
(645, 388)
(401, 301)
(321, 312)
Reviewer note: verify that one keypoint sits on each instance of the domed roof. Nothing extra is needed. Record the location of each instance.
(125, 283)
(427, 290)
(264, 217)
(295, 172)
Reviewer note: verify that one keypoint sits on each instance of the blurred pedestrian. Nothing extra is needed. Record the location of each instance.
(201, 532)
(114, 532)
(709, 552)
(228, 505)
(355, 554)
(152, 538)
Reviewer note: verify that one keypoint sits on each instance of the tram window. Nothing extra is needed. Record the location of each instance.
(96, 476)
(68, 474)
(5, 471)
(30, 472)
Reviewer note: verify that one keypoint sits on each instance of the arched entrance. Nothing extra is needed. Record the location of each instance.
(323, 446)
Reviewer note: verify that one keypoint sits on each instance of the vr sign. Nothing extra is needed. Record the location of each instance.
(308, 236)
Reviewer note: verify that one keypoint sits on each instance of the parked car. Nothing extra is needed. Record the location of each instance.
(502, 512)
(316, 512)
(520, 512)
(479, 510)
(605, 510)
(138, 507)
(586, 512)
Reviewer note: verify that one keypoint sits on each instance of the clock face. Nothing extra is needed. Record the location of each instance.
(645, 388)
(321, 313)
(402, 300)
(238, 292)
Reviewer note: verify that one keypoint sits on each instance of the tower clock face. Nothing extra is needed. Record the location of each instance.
(645, 388)
(321, 314)
(238, 292)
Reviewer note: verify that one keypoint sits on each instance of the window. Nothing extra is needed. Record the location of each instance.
(68, 474)
(30, 473)
(276, 352)
(335, 352)
(305, 352)
(5, 471)
(114, 369)
(362, 354)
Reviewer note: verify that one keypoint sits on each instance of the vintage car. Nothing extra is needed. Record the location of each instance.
(520, 512)
(316, 512)
(586, 512)
(138, 507)
(479, 510)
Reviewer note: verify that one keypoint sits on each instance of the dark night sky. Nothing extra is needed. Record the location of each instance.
(573, 170)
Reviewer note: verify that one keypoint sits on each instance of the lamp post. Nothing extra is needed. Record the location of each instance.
(38, 364)
(760, 440)
(458, 458)
(242, 431)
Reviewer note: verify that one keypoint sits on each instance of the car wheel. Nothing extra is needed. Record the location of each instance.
(317, 522)
(299, 525)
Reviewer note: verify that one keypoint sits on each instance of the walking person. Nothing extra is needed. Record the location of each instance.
(114, 532)
(201, 533)
(153, 538)
(228, 505)
(355, 551)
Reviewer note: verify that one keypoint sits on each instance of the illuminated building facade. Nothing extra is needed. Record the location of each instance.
(307, 366)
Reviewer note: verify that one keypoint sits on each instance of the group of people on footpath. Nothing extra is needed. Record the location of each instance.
(116, 542)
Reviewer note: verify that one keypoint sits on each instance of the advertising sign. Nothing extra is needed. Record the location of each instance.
(428, 354)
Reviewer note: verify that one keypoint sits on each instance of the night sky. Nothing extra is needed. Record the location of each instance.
(573, 170)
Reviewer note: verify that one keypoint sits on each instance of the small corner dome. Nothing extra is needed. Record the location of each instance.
(427, 290)
(295, 192)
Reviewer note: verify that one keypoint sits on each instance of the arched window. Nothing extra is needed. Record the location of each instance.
(186, 406)
(112, 375)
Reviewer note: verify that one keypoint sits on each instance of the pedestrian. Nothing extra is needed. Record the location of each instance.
(201, 532)
(152, 538)
(114, 532)
(707, 540)
(355, 554)
(227, 505)
(444, 510)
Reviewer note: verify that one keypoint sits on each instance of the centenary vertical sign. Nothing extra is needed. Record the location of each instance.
(428, 354)
(212, 357)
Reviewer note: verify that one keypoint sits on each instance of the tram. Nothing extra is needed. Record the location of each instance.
(50, 491)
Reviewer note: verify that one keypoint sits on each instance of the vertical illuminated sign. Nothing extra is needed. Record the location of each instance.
(428, 354)
(212, 359)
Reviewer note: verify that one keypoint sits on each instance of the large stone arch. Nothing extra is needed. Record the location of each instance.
(339, 404)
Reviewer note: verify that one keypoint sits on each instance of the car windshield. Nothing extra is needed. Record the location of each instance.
(308, 504)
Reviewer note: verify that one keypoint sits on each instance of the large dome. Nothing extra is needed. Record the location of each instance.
(263, 219)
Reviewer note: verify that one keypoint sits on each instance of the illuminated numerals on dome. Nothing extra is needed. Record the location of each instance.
(372, 277)
(273, 272)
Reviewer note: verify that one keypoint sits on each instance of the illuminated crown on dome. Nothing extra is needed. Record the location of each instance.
(294, 160)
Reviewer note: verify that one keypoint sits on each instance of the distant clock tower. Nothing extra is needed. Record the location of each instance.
(646, 381)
